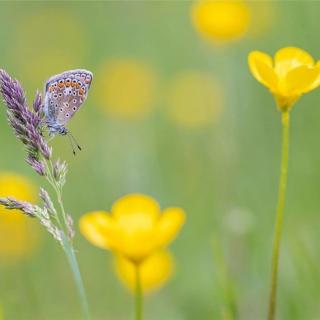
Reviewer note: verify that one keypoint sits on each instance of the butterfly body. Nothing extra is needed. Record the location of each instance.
(65, 93)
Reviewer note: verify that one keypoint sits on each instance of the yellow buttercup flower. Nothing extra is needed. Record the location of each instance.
(290, 74)
(155, 271)
(221, 21)
(135, 229)
(19, 235)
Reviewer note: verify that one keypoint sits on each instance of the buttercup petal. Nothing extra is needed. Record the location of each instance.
(261, 56)
(136, 204)
(289, 58)
(95, 226)
(135, 229)
(302, 80)
(260, 65)
(154, 271)
(136, 246)
(169, 225)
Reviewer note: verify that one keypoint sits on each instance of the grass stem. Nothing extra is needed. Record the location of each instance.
(67, 244)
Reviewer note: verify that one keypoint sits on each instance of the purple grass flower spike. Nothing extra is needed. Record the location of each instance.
(12, 203)
(26, 123)
(37, 103)
(47, 202)
(37, 165)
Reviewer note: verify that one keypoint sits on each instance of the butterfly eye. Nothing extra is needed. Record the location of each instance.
(55, 96)
(74, 100)
(66, 104)
(74, 108)
(61, 109)
(67, 115)
(60, 94)
(51, 102)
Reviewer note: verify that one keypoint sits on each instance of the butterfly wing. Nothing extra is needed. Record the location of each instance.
(65, 94)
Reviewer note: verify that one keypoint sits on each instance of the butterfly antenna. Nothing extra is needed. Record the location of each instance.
(75, 141)
(72, 144)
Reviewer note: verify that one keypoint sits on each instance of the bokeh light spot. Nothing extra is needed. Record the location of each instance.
(126, 88)
(19, 235)
(195, 99)
(221, 21)
(41, 47)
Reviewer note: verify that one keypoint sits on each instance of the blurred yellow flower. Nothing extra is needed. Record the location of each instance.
(263, 17)
(290, 74)
(194, 99)
(19, 235)
(47, 41)
(126, 88)
(155, 271)
(221, 21)
(135, 229)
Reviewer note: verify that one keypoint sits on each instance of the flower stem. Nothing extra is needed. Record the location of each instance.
(279, 215)
(138, 294)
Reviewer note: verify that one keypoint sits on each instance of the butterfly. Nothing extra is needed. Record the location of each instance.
(65, 93)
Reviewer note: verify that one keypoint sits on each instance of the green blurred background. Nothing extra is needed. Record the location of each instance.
(222, 166)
